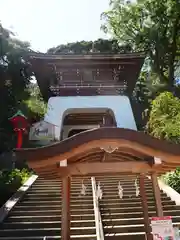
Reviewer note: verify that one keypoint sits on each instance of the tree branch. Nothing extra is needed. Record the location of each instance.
(173, 53)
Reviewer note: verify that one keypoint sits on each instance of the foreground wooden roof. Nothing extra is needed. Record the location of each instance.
(86, 153)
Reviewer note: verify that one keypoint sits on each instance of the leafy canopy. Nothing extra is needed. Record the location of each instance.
(85, 47)
(151, 26)
(16, 91)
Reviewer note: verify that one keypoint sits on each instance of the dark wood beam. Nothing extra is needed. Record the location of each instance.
(145, 208)
(93, 168)
(65, 216)
(157, 195)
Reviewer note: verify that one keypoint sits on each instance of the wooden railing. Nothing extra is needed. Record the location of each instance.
(98, 220)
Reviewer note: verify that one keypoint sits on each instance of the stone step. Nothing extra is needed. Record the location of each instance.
(51, 205)
(137, 208)
(84, 208)
(16, 212)
(122, 182)
(89, 190)
(56, 190)
(105, 195)
(55, 194)
(125, 188)
(36, 197)
(45, 224)
(133, 203)
(46, 202)
(137, 214)
(57, 204)
(127, 195)
(114, 198)
(88, 184)
(125, 236)
(57, 237)
(39, 212)
(45, 231)
(131, 199)
(127, 221)
(124, 228)
(50, 217)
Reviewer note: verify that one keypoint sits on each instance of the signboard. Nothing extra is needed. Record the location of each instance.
(42, 131)
(162, 228)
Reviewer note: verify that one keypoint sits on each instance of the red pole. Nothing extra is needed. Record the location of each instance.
(19, 138)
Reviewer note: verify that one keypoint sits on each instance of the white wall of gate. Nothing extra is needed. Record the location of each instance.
(59, 107)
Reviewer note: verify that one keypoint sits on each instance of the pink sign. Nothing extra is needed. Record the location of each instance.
(162, 228)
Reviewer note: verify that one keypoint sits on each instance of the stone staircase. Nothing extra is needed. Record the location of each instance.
(38, 215)
(123, 218)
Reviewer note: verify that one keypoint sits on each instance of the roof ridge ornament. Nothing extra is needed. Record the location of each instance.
(109, 149)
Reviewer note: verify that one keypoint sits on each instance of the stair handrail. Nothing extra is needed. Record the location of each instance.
(98, 219)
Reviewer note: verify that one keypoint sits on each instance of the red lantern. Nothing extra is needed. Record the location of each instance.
(20, 124)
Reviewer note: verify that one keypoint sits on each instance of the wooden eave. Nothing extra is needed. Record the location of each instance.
(85, 154)
(94, 56)
(42, 65)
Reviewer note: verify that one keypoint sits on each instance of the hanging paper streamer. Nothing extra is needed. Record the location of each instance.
(120, 190)
(137, 188)
(99, 191)
(83, 189)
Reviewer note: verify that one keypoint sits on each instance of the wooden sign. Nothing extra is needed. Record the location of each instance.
(42, 131)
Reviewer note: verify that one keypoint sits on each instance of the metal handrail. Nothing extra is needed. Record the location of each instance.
(98, 220)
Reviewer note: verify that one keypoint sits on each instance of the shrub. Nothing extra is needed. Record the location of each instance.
(173, 179)
(164, 120)
(10, 181)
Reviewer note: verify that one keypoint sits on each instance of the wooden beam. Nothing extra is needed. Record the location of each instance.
(145, 208)
(65, 216)
(94, 168)
(157, 195)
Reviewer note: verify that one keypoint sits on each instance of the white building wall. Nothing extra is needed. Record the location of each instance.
(68, 128)
(58, 107)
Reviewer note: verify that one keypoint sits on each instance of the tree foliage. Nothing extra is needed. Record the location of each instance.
(164, 119)
(15, 77)
(14, 73)
(10, 181)
(173, 179)
(151, 26)
(85, 47)
(34, 106)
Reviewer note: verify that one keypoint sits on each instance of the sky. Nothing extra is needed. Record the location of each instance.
(48, 23)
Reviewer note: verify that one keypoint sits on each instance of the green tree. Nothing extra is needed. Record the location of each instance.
(151, 26)
(85, 47)
(34, 107)
(15, 77)
(164, 119)
(173, 179)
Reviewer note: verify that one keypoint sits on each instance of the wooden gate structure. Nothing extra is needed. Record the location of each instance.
(106, 150)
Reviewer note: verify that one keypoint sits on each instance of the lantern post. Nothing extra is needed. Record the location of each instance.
(20, 124)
